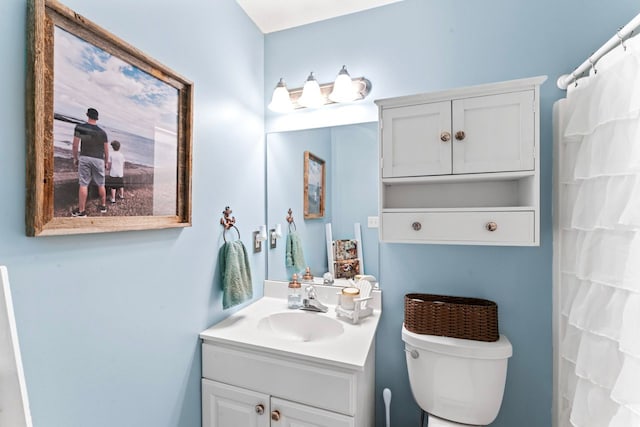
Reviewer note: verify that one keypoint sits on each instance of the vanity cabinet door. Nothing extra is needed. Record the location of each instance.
(227, 406)
(416, 140)
(494, 133)
(290, 414)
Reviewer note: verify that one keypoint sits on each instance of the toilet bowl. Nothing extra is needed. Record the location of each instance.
(458, 382)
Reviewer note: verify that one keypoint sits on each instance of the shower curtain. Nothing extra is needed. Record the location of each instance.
(598, 259)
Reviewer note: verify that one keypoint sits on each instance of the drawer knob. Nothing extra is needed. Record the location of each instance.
(260, 409)
(416, 226)
(492, 226)
(445, 136)
(275, 415)
(460, 135)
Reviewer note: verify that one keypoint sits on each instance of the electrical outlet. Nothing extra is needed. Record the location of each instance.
(373, 222)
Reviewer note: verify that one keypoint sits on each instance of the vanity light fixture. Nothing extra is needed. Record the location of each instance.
(313, 95)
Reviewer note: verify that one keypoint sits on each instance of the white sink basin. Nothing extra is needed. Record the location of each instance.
(301, 326)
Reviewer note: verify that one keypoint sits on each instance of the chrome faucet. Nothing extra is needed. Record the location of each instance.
(311, 302)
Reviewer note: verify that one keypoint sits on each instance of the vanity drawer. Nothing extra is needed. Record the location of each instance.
(301, 382)
(515, 227)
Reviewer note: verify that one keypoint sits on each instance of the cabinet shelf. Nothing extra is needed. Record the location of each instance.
(469, 209)
(474, 177)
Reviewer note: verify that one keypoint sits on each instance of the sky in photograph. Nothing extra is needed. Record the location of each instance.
(126, 97)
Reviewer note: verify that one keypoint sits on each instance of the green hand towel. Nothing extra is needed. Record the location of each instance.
(236, 274)
(294, 255)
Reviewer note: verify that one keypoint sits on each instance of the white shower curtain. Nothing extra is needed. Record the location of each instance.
(598, 265)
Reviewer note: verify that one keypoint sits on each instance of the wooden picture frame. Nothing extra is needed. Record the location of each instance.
(76, 69)
(314, 186)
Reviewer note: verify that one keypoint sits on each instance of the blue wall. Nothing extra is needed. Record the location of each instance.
(423, 45)
(354, 156)
(109, 323)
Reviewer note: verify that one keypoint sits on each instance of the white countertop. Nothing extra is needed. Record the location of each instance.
(348, 350)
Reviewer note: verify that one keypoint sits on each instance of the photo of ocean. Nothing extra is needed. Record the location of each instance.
(136, 149)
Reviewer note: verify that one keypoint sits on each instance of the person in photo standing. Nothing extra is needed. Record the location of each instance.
(90, 154)
(115, 181)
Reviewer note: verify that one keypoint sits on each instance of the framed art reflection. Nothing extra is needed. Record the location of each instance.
(314, 186)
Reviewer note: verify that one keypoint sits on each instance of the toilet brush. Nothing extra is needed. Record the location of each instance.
(386, 396)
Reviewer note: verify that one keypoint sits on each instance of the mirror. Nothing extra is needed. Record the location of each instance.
(350, 154)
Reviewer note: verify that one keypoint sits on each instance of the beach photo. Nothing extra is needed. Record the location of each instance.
(109, 131)
(314, 186)
(96, 93)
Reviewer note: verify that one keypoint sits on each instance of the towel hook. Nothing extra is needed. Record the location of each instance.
(291, 221)
(228, 222)
(621, 39)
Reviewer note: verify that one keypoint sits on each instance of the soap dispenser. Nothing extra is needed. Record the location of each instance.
(294, 300)
(308, 277)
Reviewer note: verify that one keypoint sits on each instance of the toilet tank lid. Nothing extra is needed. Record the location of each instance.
(472, 349)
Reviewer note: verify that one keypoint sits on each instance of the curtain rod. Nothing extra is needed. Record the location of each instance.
(566, 79)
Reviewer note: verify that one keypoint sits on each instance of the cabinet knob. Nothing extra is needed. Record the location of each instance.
(416, 226)
(492, 226)
(260, 409)
(460, 135)
(445, 136)
(275, 415)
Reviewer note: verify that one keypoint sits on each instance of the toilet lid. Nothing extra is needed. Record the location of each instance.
(472, 349)
(439, 422)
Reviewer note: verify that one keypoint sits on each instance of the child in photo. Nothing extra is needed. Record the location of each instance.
(115, 181)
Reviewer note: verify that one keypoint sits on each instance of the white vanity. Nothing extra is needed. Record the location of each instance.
(462, 166)
(267, 365)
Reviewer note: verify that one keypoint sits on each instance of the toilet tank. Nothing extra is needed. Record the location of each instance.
(457, 379)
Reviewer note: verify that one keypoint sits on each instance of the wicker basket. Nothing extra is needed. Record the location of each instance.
(456, 317)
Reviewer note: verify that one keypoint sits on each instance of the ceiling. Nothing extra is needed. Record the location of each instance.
(276, 15)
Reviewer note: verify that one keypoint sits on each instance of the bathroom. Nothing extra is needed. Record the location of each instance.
(108, 323)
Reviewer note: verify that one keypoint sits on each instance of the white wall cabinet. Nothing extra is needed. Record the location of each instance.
(462, 166)
(243, 387)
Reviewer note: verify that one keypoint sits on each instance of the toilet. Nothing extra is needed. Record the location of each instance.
(458, 382)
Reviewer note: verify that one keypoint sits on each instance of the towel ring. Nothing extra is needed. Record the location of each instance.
(291, 221)
(224, 233)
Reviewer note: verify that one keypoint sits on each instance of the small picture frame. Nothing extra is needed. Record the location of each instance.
(108, 131)
(314, 186)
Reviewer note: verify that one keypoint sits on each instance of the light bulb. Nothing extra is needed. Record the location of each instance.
(280, 100)
(311, 95)
(343, 88)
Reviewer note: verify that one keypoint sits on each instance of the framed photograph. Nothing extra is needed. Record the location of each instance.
(314, 186)
(108, 130)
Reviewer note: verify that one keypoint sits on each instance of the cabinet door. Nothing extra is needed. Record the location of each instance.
(227, 406)
(498, 133)
(411, 143)
(290, 414)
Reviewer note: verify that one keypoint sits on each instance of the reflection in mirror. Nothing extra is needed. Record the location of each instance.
(351, 161)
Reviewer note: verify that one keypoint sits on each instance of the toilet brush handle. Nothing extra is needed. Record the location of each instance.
(386, 396)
